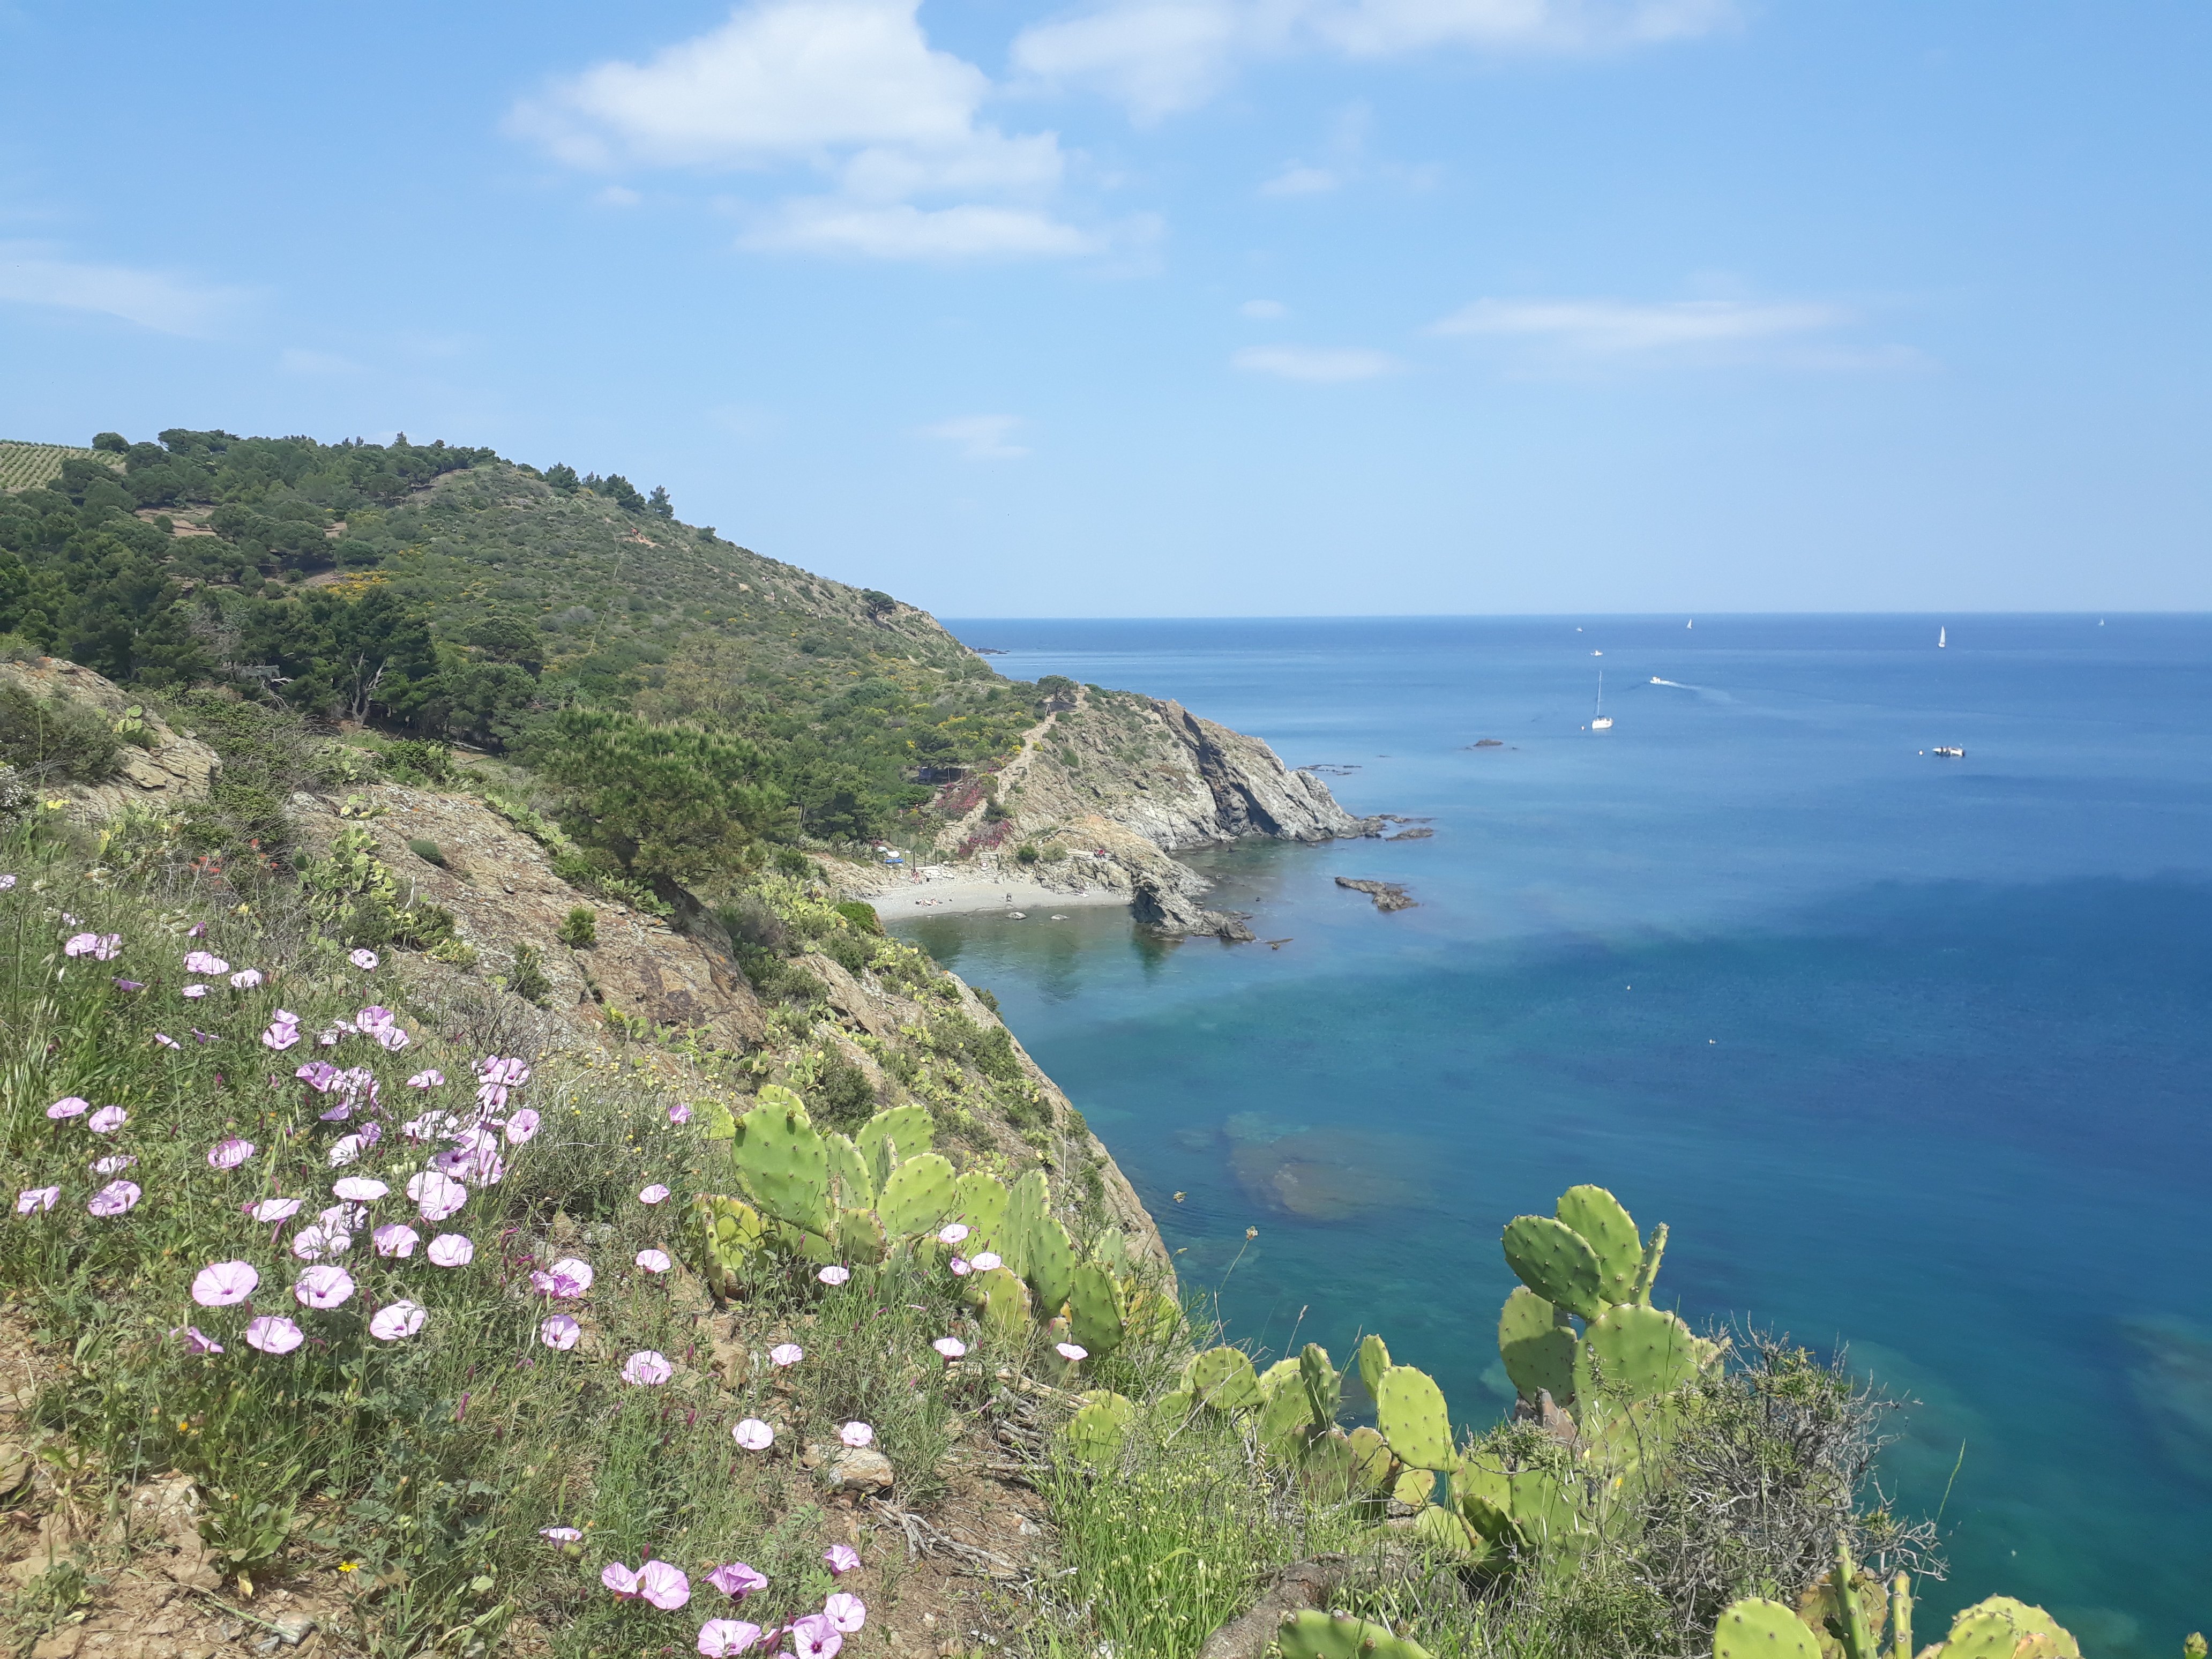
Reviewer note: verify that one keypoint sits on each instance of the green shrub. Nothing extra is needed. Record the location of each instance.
(55, 739)
(848, 951)
(984, 995)
(412, 760)
(790, 861)
(861, 915)
(427, 851)
(842, 1097)
(580, 928)
(526, 978)
(1026, 854)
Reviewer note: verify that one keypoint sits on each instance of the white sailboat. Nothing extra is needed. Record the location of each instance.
(1601, 721)
(1941, 638)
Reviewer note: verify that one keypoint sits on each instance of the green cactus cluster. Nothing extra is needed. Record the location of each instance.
(1315, 1635)
(855, 1198)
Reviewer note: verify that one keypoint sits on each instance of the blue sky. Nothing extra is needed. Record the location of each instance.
(1182, 306)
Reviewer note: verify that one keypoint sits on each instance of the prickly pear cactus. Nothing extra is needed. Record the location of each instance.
(917, 1196)
(1370, 1457)
(1283, 1414)
(1324, 1388)
(1094, 1312)
(859, 1237)
(1441, 1529)
(2002, 1628)
(782, 1161)
(1538, 1347)
(1409, 1410)
(727, 1232)
(1825, 1619)
(851, 1186)
(1096, 1432)
(1374, 1360)
(1315, 1635)
(1554, 1261)
(1634, 1353)
(1758, 1629)
(889, 1137)
(1485, 1498)
(1029, 1206)
(1005, 1299)
(978, 1202)
(1050, 1268)
(1224, 1379)
(1605, 1227)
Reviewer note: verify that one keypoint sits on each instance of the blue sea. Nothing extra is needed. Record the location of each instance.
(1913, 1053)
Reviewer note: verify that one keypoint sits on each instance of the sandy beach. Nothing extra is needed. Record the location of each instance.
(966, 889)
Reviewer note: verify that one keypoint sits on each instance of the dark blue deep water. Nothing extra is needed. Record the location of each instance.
(1913, 1053)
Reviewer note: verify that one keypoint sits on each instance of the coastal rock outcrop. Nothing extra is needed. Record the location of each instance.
(171, 768)
(1387, 895)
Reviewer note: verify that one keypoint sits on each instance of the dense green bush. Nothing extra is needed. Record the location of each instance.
(56, 739)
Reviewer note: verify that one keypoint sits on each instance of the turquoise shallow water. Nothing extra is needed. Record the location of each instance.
(1912, 1053)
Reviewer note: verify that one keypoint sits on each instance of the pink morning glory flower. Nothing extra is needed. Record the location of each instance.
(646, 1369)
(322, 1286)
(452, 1250)
(114, 1163)
(840, 1558)
(198, 1341)
(69, 1106)
(396, 1320)
(953, 1232)
(522, 1125)
(986, 1261)
(1070, 1352)
(562, 1534)
(560, 1332)
(229, 1154)
(275, 1209)
(116, 1198)
(438, 1195)
(123, 984)
(619, 1579)
(665, 1586)
(280, 1037)
(567, 1277)
(753, 1435)
(653, 1194)
(199, 962)
(787, 1353)
(653, 1262)
(395, 1238)
(312, 1243)
(31, 1199)
(166, 1040)
(951, 1347)
(224, 1283)
(82, 944)
(856, 1434)
(273, 1335)
(360, 1189)
(107, 1120)
(961, 1267)
(317, 1075)
(833, 1275)
(108, 947)
(345, 1218)
(679, 1113)
(196, 992)
(845, 1611)
(392, 1039)
(363, 960)
(510, 1070)
(245, 979)
(815, 1637)
(735, 1578)
(427, 1079)
(721, 1638)
(347, 1150)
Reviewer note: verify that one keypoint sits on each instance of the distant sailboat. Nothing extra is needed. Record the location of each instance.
(1693, 622)
(1941, 639)
(1601, 721)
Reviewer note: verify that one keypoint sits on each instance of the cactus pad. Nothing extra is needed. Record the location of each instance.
(1634, 1353)
(1096, 1432)
(1538, 1347)
(1414, 1488)
(1374, 1360)
(1283, 1414)
(1006, 1301)
(979, 1201)
(727, 1232)
(1224, 1379)
(1554, 1261)
(889, 1137)
(1315, 1635)
(851, 1186)
(1324, 1388)
(1094, 1313)
(1370, 1457)
(713, 1120)
(2002, 1628)
(1028, 1204)
(860, 1237)
(1051, 1266)
(783, 1162)
(1485, 1501)
(1409, 1409)
(917, 1196)
(1756, 1629)
(1607, 1228)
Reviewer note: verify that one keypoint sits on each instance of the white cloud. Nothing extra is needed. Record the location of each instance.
(31, 275)
(1324, 365)
(1266, 311)
(980, 437)
(1610, 328)
(1295, 181)
(1160, 56)
(902, 231)
(848, 89)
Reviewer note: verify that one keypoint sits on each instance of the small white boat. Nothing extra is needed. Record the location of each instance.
(1943, 638)
(1601, 721)
(1950, 753)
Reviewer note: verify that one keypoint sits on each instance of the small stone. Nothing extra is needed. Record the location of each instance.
(853, 1468)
